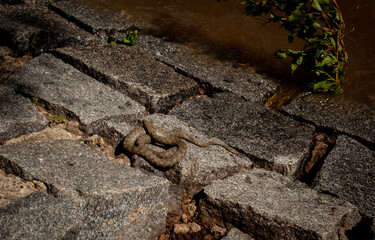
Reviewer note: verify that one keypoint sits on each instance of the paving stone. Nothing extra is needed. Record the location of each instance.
(134, 73)
(235, 234)
(200, 166)
(18, 115)
(271, 139)
(73, 94)
(218, 75)
(349, 172)
(114, 129)
(35, 28)
(99, 21)
(272, 206)
(351, 118)
(118, 201)
(40, 216)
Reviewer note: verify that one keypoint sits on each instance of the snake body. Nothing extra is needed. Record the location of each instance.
(135, 143)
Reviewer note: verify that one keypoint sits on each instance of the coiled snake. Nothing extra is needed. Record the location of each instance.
(135, 143)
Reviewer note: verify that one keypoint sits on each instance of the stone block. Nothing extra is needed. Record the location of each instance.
(322, 110)
(269, 205)
(200, 166)
(100, 21)
(72, 94)
(272, 140)
(349, 173)
(118, 202)
(214, 75)
(40, 216)
(34, 28)
(18, 115)
(133, 73)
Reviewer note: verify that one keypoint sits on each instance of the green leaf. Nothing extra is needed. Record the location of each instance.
(299, 60)
(322, 86)
(294, 67)
(315, 4)
(324, 2)
(339, 90)
(280, 54)
(327, 61)
(295, 16)
(316, 25)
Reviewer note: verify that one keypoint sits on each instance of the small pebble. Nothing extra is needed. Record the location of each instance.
(194, 227)
(181, 228)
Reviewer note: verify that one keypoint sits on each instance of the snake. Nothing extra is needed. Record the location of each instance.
(135, 143)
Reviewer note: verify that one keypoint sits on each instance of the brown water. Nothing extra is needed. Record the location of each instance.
(225, 32)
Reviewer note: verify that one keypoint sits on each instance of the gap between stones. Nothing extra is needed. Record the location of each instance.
(330, 131)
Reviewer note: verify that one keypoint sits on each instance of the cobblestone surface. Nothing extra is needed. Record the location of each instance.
(110, 88)
(18, 115)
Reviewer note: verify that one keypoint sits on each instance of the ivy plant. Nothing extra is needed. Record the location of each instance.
(319, 23)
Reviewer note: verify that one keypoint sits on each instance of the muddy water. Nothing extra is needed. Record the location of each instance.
(226, 33)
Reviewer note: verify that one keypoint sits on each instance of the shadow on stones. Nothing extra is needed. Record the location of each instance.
(322, 144)
(362, 230)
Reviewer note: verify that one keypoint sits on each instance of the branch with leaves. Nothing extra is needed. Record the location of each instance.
(320, 25)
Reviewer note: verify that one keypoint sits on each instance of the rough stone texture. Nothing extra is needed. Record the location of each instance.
(215, 74)
(39, 216)
(200, 166)
(18, 115)
(271, 139)
(18, 24)
(272, 206)
(235, 234)
(99, 21)
(43, 2)
(73, 94)
(45, 135)
(118, 201)
(115, 129)
(3, 52)
(134, 73)
(354, 119)
(349, 172)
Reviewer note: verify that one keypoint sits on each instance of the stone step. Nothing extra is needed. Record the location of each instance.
(97, 20)
(133, 73)
(349, 173)
(72, 94)
(18, 115)
(34, 28)
(347, 117)
(40, 216)
(117, 202)
(200, 166)
(218, 75)
(270, 139)
(269, 205)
